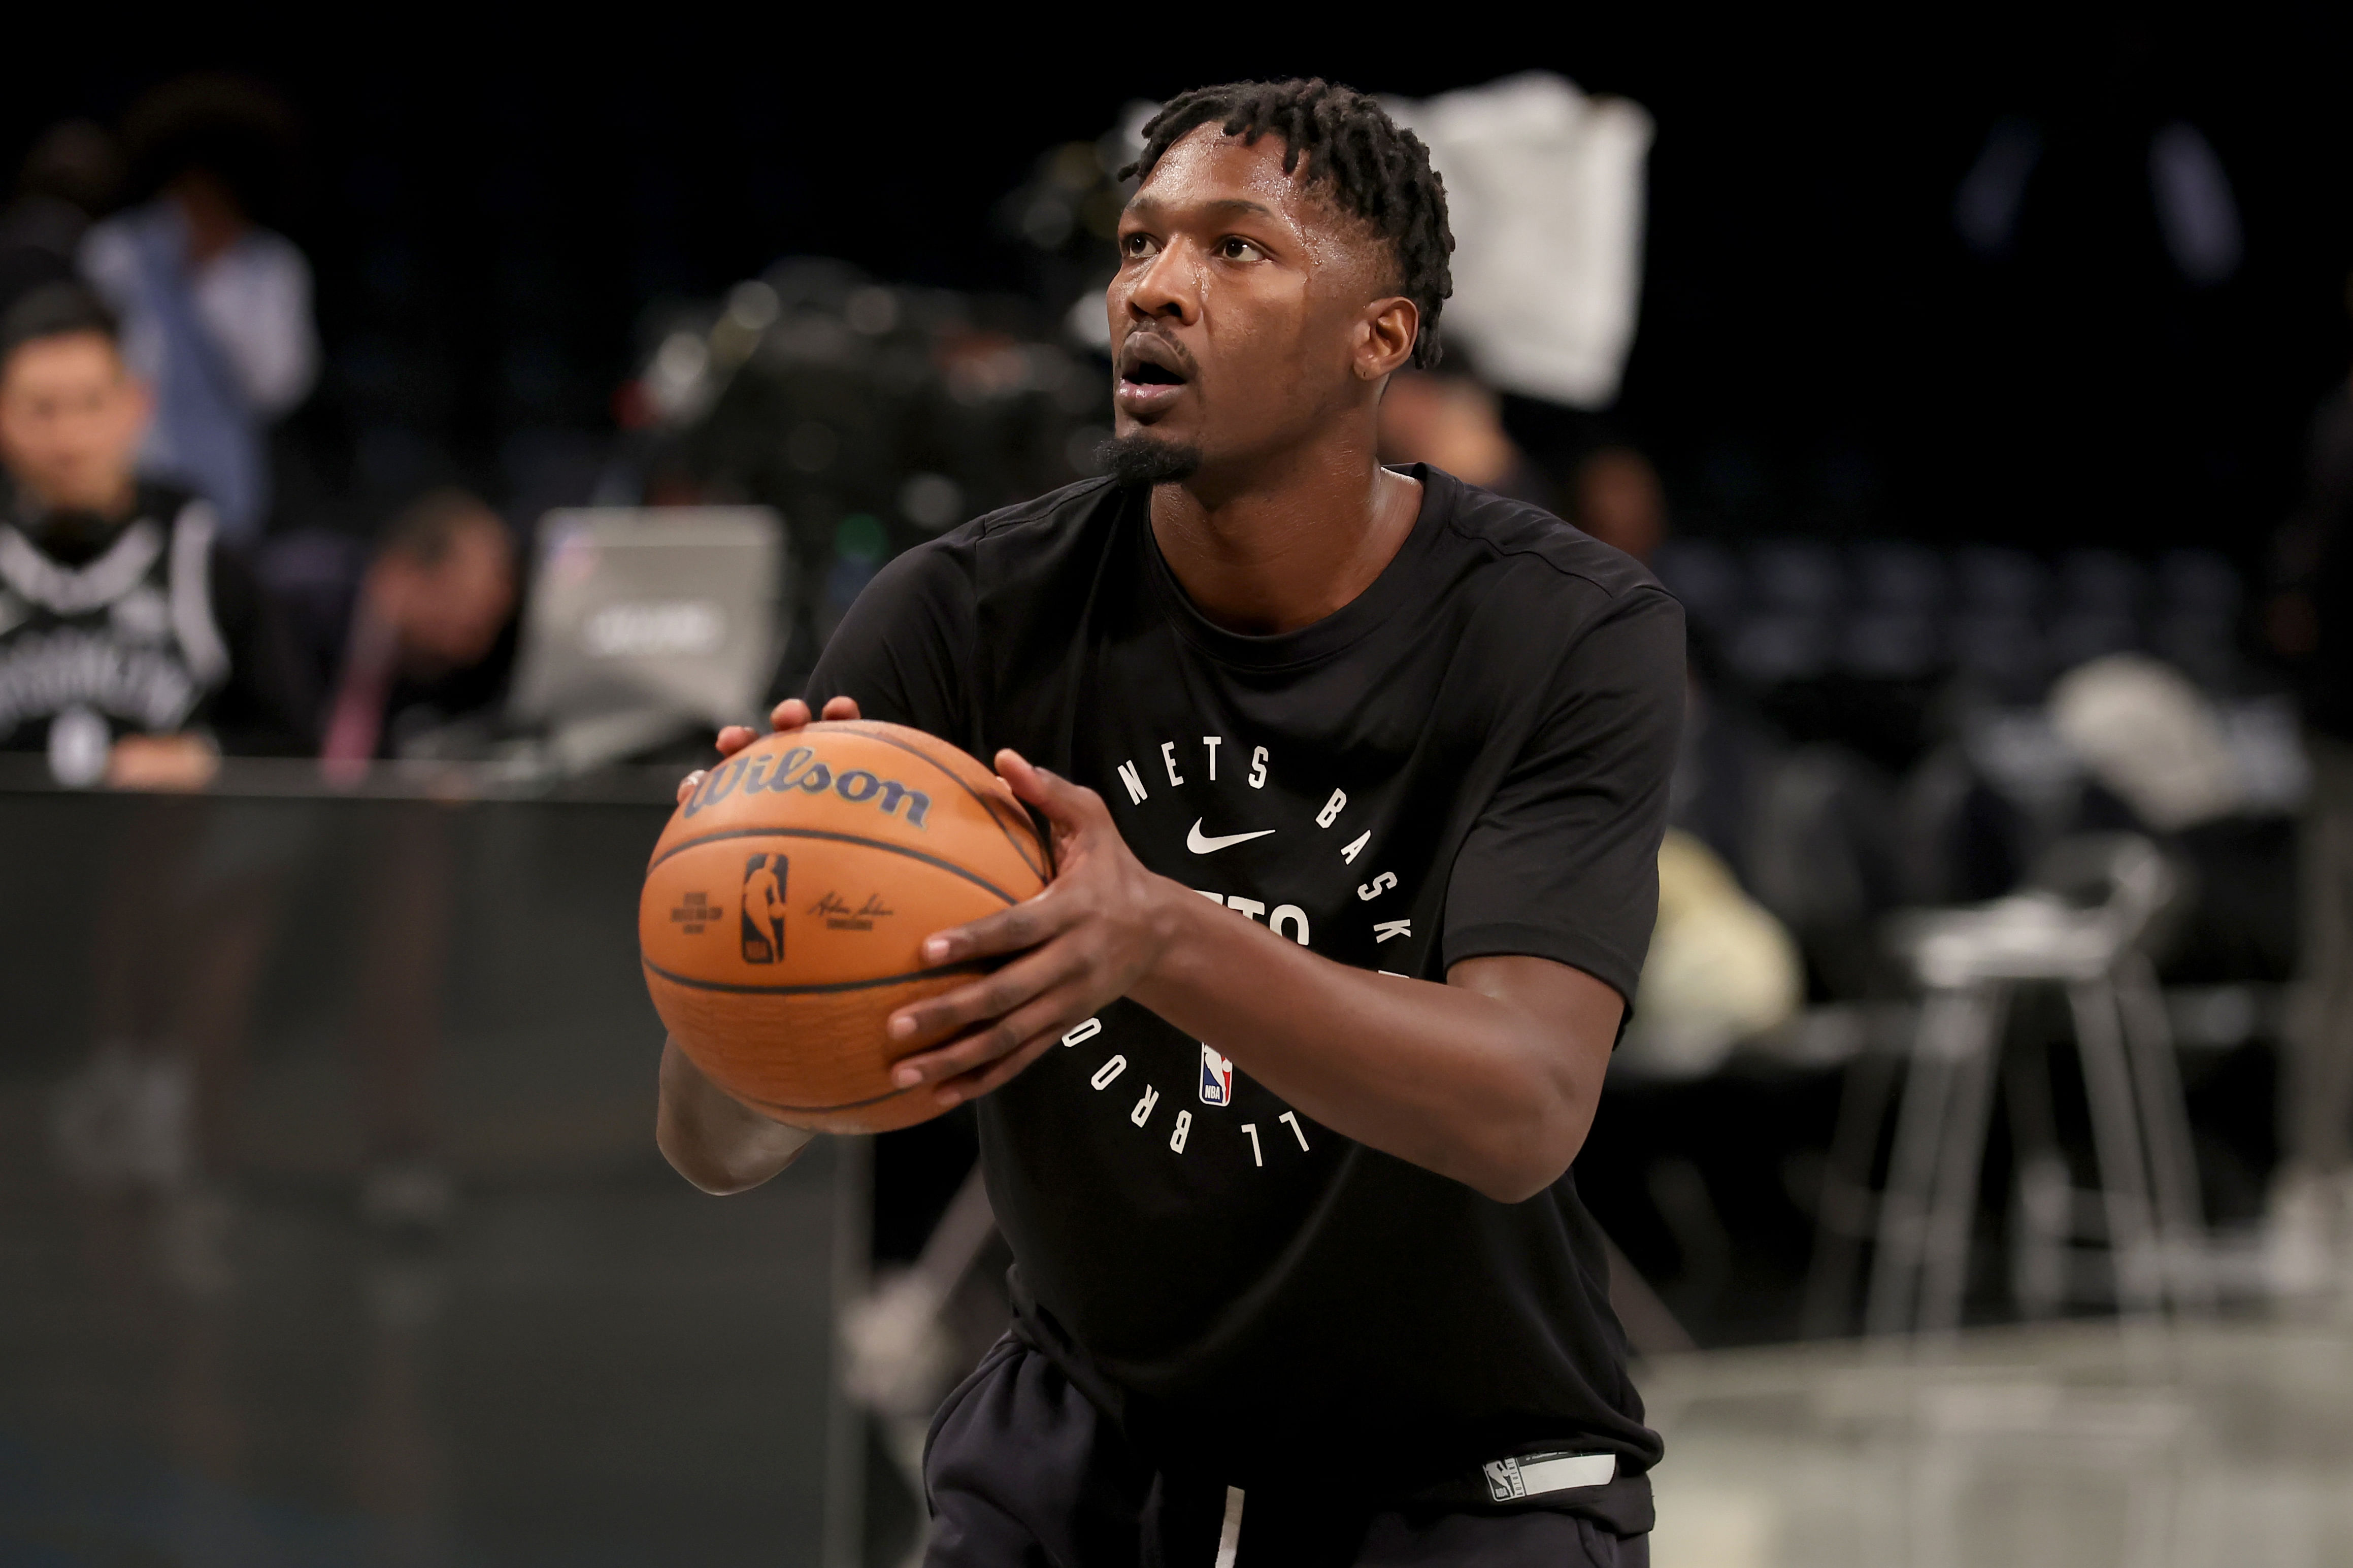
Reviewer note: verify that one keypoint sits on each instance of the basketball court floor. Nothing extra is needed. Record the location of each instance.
(2078, 1446)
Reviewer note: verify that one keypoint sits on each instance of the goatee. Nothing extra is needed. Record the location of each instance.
(1145, 460)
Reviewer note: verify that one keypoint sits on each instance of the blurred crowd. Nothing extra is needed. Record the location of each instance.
(156, 329)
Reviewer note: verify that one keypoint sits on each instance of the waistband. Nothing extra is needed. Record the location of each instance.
(1557, 1475)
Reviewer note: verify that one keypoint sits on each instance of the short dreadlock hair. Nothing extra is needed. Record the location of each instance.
(1375, 170)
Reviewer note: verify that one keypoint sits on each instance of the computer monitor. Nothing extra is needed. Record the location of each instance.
(641, 621)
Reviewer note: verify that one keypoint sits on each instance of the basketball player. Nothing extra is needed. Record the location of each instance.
(1355, 778)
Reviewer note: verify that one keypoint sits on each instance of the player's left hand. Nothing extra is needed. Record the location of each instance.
(1084, 941)
(792, 713)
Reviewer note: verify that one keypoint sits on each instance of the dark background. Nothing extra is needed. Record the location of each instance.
(491, 215)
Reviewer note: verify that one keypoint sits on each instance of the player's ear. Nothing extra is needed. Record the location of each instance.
(1386, 337)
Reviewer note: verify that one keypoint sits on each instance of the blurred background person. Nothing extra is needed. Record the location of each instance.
(427, 633)
(94, 558)
(134, 648)
(414, 648)
(216, 306)
(69, 177)
(1450, 419)
(2310, 624)
(1616, 495)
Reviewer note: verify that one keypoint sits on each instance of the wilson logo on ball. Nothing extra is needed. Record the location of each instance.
(800, 769)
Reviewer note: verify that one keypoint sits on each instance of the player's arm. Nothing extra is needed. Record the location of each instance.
(709, 1137)
(1491, 1077)
(715, 1140)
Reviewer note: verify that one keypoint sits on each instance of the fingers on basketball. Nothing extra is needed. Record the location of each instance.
(787, 902)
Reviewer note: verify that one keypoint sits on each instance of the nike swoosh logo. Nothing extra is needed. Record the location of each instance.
(1200, 845)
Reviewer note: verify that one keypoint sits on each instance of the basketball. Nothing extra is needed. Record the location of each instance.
(788, 901)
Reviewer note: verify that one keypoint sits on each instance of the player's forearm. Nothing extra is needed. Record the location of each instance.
(1469, 1085)
(713, 1140)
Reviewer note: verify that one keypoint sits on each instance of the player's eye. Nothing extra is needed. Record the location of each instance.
(1136, 244)
(1236, 248)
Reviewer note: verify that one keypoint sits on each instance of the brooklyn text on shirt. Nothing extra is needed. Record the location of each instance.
(1215, 1089)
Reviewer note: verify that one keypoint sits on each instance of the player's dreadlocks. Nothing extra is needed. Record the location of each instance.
(1375, 170)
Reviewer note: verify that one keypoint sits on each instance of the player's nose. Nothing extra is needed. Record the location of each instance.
(1166, 289)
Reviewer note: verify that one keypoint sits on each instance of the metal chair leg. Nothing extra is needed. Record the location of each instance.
(2043, 1200)
(1845, 1215)
(2165, 1123)
(1951, 1023)
(2117, 1136)
(1944, 1271)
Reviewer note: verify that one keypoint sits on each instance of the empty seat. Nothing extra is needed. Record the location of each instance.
(1796, 576)
(1891, 574)
(1999, 582)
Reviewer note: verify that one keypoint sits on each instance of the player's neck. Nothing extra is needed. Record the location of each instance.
(1289, 540)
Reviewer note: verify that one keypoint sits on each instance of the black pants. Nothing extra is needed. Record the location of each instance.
(1024, 1472)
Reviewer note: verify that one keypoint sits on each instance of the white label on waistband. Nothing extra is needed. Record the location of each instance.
(1230, 1533)
(1539, 1473)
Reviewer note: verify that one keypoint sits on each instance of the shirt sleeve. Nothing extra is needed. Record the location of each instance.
(1563, 864)
(256, 302)
(906, 649)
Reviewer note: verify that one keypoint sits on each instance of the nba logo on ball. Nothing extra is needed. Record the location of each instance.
(764, 908)
(1217, 1079)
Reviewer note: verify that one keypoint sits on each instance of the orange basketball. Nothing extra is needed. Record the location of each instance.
(788, 900)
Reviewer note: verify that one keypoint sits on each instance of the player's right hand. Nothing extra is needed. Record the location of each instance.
(792, 713)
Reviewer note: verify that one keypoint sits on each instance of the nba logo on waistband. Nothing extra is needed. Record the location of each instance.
(1217, 1079)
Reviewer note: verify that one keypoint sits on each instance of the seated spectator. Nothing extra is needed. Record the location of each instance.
(133, 646)
(215, 308)
(1451, 420)
(428, 632)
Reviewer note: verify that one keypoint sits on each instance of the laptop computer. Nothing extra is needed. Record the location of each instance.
(642, 623)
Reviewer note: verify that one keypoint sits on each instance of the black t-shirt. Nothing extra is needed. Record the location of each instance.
(1471, 758)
